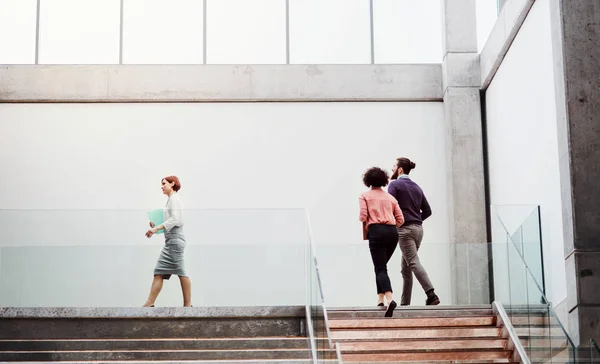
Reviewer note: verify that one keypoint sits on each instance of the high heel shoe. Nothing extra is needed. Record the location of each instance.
(390, 310)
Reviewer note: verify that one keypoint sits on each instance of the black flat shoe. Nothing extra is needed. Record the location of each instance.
(391, 308)
(381, 304)
(432, 298)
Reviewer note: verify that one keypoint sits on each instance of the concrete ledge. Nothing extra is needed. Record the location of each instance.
(507, 26)
(155, 312)
(219, 83)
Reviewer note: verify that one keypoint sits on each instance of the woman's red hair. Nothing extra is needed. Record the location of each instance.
(174, 179)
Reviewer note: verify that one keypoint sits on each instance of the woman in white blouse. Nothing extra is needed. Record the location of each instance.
(171, 260)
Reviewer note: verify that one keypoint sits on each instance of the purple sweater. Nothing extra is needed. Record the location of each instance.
(411, 199)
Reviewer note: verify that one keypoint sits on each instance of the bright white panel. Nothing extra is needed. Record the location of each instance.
(288, 155)
(486, 15)
(17, 31)
(163, 32)
(228, 155)
(522, 138)
(332, 31)
(79, 32)
(243, 31)
(407, 31)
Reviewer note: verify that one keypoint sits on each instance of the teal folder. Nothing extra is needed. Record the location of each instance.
(157, 217)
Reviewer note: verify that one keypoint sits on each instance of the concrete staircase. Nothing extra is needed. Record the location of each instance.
(276, 335)
(192, 335)
(440, 334)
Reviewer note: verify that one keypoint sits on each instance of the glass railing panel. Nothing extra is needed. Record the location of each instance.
(120, 276)
(348, 275)
(517, 275)
(520, 225)
(500, 266)
(102, 258)
(311, 303)
(531, 247)
(517, 306)
(508, 218)
(542, 334)
(480, 267)
(457, 271)
(127, 227)
(470, 270)
(321, 343)
(10, 276)
(538, 321)
(517, 239)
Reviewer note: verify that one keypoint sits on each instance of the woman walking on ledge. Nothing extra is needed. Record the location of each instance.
(171, 260)
(380, 214)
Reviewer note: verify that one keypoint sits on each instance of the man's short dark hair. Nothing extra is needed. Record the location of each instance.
(376, 177)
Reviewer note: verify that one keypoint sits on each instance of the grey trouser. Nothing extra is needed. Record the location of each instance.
(410, 237)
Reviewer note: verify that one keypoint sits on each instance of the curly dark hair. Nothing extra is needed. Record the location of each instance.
(376, 177)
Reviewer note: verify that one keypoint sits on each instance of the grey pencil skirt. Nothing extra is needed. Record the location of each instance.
(171, 259)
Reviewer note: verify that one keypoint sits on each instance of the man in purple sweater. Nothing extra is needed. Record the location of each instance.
(415, 208)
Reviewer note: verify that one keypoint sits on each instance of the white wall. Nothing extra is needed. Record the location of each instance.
(228, 156)
(522, 138)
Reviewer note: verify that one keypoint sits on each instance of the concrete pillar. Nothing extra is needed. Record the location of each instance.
(576, 48)
(466, 192)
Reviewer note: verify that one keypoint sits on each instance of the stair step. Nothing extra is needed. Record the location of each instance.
(413, 322)
(159, 322)
(431, 356)
(563, 353)
(456, 308)
(533, 320)
(525, 332)
(410, 312)
(491, 361)
(110, 355)
(110, 328)
(155, 344)
(256, 361)
(411, 345)
(429, 333)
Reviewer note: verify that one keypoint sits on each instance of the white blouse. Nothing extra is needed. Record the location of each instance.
(173, 212)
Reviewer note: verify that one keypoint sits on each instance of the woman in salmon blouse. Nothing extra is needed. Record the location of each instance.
(380, 214)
